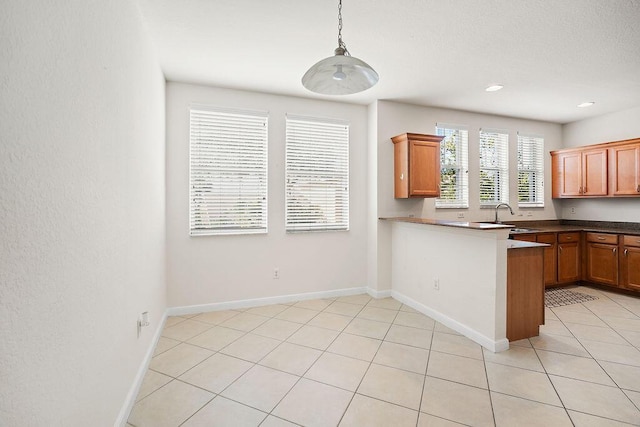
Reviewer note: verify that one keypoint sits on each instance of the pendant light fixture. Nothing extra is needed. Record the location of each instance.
(341, 74)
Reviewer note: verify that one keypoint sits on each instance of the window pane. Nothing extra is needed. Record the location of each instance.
(530, 171)
(454, 177)
(494, 169)
(228, 172)
(317, 175)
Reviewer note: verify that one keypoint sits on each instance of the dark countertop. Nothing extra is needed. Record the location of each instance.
(533, 227)
(577, 226)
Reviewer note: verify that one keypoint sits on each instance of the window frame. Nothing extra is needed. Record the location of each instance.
(535, 169)
(461, 166)
(332, 175)
(499, 168)
(228, 168)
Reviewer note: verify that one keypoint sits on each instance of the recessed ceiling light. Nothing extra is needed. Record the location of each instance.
(586, 104)
(494, 88)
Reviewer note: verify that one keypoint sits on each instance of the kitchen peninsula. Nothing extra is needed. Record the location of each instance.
(456, 273)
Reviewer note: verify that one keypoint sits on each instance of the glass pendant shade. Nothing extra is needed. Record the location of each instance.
(339, 75)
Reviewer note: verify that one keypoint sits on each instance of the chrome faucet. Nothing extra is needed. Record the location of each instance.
(498, 207)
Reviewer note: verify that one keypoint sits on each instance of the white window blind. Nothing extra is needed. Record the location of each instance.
(228, 172)
(494, 167)
(317, 174)
(530, 170)
(454, 166)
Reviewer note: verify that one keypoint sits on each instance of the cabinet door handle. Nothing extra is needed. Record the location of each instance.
(560, 249)
(401, 176)
(626, 251)
(615, 250)
(638, 189)
(600, 238)
(569, 238)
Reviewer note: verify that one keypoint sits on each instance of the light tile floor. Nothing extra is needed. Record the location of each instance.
(358, 361)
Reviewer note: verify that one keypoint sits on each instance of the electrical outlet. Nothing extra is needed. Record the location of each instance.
(143, 321)
(529, 213)
(276, 273)
(436, 284)
(573, 210)
(460, 214)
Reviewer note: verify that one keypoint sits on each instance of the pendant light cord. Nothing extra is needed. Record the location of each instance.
(341, 44)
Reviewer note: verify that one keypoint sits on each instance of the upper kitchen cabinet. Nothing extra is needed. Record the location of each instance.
(579, 173)
(603, 170)
(624, 169)
(416, 165)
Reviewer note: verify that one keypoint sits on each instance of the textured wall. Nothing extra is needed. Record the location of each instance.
(81, 208)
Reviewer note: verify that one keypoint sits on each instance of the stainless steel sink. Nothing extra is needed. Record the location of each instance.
(522, 230)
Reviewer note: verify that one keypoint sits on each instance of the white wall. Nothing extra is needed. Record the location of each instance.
(395, 118)
(212, 269)
(471, 300)
(609, 127)
(81, 208)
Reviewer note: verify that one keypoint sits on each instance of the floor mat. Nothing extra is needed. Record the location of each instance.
(560, 297)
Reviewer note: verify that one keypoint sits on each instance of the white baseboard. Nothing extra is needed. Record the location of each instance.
(379, 294)
(472, 334)
(123, 416)
(256, 302)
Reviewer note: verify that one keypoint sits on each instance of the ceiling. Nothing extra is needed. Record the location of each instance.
(550, 55)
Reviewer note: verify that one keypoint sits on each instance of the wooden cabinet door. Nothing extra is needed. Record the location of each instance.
(594, 172)
(568, 259)
(624, 170)
(525, 293)
(602, 263)
(424, 169)
(567, 174)
(631, 267)
(630, 263)
(550, 257)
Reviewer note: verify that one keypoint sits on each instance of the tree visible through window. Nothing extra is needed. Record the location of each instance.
(454, 173)
(494, 169)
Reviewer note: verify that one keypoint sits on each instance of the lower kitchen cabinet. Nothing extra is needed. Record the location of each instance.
(525, 292)
(550, 257)
(602, 258)
(630, 263)
(568, 257)
(550, 254)
(599, 258)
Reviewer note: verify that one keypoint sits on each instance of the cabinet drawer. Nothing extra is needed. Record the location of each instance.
(632, 241)
(549, 238)
(568, 237)
(610, 239)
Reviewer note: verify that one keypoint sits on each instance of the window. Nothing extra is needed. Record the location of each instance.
(317, 174)
(530, 171)
(228, 172)
(454, 167)
(494, 167)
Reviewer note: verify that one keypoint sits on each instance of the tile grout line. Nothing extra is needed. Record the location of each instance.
(592, 358)
(355, 316)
